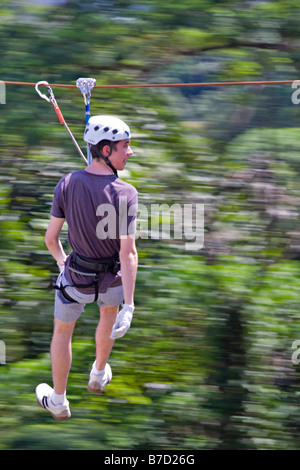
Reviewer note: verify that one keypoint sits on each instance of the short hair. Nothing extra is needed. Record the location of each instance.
(100, 147)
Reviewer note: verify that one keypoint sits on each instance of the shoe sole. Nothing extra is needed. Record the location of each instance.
(57, 417)
(95, 389)
(60, 419)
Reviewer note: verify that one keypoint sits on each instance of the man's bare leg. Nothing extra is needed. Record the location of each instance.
(104, 343)
(61, 354)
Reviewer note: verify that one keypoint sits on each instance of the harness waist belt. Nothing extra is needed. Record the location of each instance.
(91, 267)
(102, 265)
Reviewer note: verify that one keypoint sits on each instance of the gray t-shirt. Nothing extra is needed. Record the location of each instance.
(98, 210)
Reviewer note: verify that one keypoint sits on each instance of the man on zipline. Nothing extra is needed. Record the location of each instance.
(100, 211)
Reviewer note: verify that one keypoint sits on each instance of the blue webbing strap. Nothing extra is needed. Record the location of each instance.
(85, 85)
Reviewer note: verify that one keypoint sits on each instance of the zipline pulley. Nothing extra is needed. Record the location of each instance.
(86, 85)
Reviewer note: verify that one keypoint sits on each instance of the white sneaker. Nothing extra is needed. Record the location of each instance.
(59, 412)
(97, 382)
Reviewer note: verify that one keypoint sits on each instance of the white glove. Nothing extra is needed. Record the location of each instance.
(123, 322)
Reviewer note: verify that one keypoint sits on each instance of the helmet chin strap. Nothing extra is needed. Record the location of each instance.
(106, 159)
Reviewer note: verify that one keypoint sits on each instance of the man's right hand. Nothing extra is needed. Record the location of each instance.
(61, 267)
(123, 322)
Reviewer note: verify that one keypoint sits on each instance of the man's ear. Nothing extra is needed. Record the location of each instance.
(106, 150)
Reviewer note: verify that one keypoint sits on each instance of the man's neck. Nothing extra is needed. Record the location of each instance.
(99, 168)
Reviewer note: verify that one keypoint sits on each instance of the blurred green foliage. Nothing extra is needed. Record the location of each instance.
(207, 363)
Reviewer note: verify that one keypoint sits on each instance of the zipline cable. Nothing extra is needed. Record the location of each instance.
(86, 84)
(161, 85)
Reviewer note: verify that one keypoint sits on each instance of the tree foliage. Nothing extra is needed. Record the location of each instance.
(207, 363)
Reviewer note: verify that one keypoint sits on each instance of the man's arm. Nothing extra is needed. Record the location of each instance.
(129, 262)
(52, 240)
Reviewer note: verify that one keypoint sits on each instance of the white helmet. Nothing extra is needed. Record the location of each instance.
(105, 128)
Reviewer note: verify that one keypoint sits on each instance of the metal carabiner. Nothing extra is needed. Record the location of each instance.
(51, 99)
(45, 97)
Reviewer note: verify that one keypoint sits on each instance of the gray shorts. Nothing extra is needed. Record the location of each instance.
(68, 311)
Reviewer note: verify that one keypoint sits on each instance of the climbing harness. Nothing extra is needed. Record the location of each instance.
(89, 267)
(93, 266)
(51, 99)
(85, 85)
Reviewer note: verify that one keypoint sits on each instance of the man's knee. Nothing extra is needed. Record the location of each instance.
(109, 309)
(62, 327)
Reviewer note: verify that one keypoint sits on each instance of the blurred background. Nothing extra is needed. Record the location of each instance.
(208, 361)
